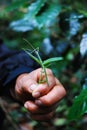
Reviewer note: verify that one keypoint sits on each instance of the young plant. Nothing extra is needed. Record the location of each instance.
(42, 63)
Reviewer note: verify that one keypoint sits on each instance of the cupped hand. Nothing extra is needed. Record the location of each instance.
(39, 99)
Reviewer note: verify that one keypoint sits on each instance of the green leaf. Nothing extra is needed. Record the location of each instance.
(79, 106)
(33, 57)
(60, 122)
(32, 20)
(21, 25)
(35, 7)
(50, 60)
(83, 12)
(15, 5)
(48, 16)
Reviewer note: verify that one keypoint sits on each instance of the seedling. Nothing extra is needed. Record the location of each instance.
(34, 54)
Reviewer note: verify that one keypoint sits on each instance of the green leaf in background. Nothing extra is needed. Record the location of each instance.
(79, 106)
(31, 20)
(50, 60)
(83, 12)
(47, 18)
(34, 8)
(15, 5)
(60, 122)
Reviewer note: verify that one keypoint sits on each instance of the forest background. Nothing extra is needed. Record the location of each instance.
(58, 28)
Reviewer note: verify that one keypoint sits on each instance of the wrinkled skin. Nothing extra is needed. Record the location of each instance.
(39, 99)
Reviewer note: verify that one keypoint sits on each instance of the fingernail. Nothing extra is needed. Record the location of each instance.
(33, 87)
(36, 94)
(38, 102)
(26, 105)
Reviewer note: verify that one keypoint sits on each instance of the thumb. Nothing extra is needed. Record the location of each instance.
(43, 89)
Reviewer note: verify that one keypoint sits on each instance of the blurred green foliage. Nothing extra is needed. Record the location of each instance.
(57, 27)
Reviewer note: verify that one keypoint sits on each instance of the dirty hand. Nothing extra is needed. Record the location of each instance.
(39, 99)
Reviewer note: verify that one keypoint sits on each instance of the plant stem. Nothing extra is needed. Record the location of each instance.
(43, 67)
(38, 60)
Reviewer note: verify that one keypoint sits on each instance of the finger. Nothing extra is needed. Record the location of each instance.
(35, 109)
(36, 74)
(28, 83)
(30, 79)
(42, 117)
(24, 83)
(44, 88)
(23, 86)
(31, 106)
(55, 95)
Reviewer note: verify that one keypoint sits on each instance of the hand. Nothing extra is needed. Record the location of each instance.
(39, 99)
